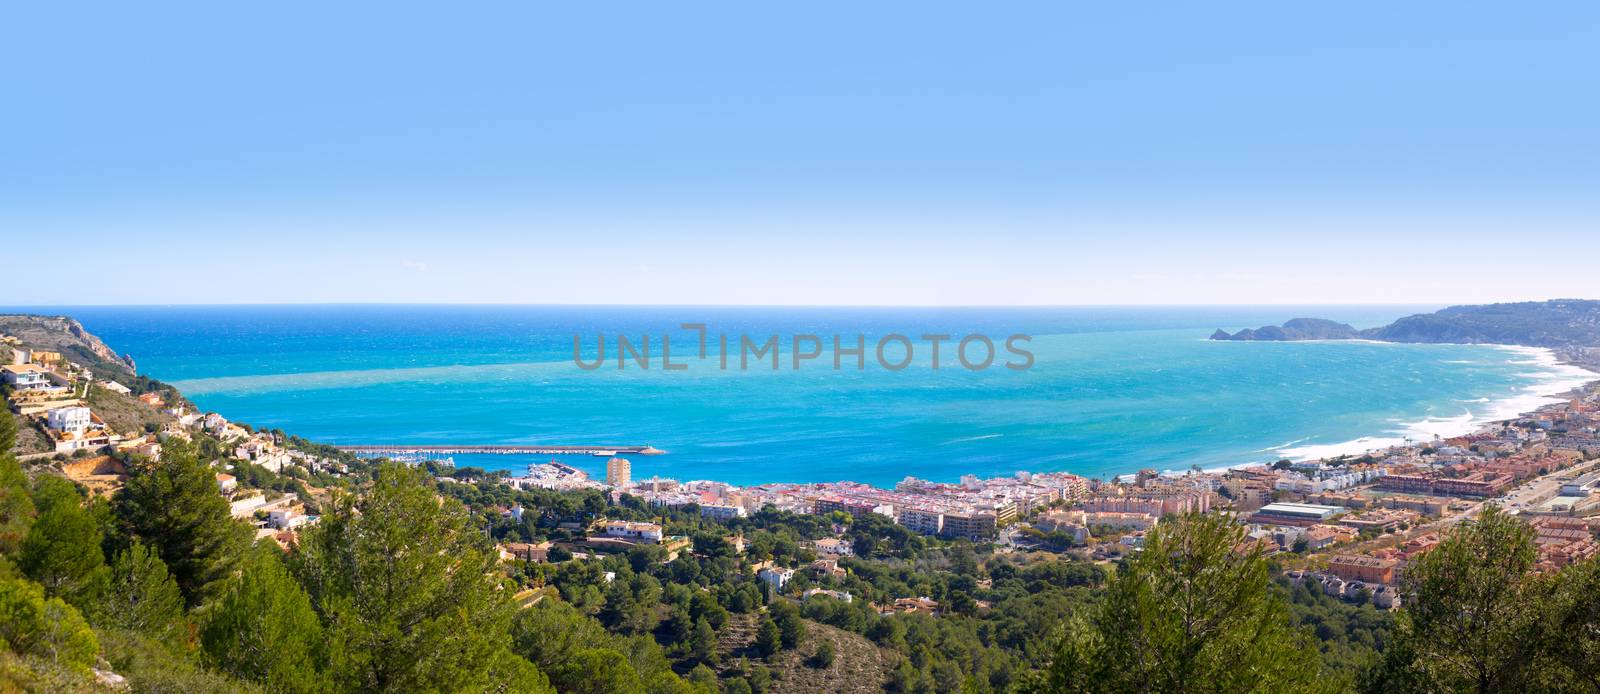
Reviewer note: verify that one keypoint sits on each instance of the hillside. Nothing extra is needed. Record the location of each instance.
(30, 440)
(67, 336)
(1561, 323)
(123, 413)
(858, 665)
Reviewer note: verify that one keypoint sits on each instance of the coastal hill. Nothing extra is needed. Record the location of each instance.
(1297, 329)
(1555, 324)
(67, 336)
(120, 409)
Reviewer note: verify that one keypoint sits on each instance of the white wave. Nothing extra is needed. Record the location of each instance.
(1281, 446)
(1365, 444)
(1554, 378)
(1431, 428)
(972, 438)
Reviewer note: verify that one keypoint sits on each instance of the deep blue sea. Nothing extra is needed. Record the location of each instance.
(1112, 390)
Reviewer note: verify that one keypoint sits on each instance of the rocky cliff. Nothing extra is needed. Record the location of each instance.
(67, 336)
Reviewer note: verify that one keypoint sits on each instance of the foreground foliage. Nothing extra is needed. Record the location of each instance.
(1191, 613)
(407, 588)
(1479, 620)
(174, 508)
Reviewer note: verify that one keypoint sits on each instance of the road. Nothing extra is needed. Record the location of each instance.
(1525, 495)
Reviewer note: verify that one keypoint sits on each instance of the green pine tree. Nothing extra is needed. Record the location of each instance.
(567, 644)
(174, 508)
(49, 628)
(791, 626)
(510, 673)
(142, 597)
(16, 506)
(678, 625)
(760, 679)
(597, 671)
(619, 604)
(703, 643)
(62, 550)
(703, 677)
(768, 639)
(1475, 614)
(1193, 612)
(262, 628)
(1577, 610)
(407, 586)
(824, 656)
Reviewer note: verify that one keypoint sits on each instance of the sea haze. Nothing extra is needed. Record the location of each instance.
(1114, 390)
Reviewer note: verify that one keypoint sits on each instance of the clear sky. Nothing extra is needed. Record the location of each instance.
(818, 153)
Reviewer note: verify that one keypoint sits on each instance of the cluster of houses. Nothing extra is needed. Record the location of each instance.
(1541, 467)
(278, 515)
(52, 391)
(610, 536)
(974, 509)
(1319, 507)
(1382, 595)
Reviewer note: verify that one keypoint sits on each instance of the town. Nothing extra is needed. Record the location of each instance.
(1350, 524)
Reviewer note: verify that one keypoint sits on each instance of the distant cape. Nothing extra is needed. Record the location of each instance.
(1557, 323)
(1297, 329)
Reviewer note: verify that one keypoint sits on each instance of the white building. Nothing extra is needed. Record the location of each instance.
(246, 507)
(925, 521)
(288, 518)
(629, 530)
(215, 423)
(840, 595)
(25, 376)
(30, 380)
(115, 387)
(274, 461)
(722, 512)
(835, 547)
(73, 419)
(775, 577)
(1324, 480)
(263, 452)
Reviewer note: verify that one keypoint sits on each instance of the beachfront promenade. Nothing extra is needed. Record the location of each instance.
(402, 449)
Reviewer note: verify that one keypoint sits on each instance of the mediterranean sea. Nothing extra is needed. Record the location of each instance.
(1113, 390)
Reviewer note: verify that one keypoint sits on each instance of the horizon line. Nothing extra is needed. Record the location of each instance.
(747, 305)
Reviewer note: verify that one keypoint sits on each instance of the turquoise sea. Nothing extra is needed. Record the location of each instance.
(1113, 389)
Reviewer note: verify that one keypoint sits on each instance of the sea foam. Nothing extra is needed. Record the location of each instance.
(1552, 378)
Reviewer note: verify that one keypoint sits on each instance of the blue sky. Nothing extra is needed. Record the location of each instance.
(823, 153)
